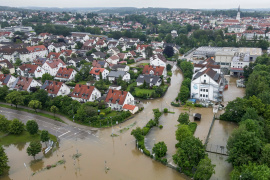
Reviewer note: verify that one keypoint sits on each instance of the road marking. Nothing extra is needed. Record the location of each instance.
(63, 134)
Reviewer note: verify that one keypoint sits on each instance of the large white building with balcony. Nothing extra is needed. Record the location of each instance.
(207, 84)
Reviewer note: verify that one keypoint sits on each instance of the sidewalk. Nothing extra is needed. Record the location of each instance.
(66, 120)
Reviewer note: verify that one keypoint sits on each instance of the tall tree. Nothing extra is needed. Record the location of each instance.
(54, 110)
(205, 169)
(168, 51)
(160, 149)
(182, 132)
(15, 98)
(35, 104)
(3, 161)
(46, 76)
(44, 136)
(16, 127)
(33, 149)
(183, 118)
(32, 127)
(4, 124)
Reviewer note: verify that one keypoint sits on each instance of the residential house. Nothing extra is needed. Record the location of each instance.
(119, 67)
(155, 70)
(116, 99)
(57, 47)
(114, 59)
(158, 60)
(55, 88)
(207, 85)
(24, 84)
(149, 79)
(99, 55)
(52, 66)
(6, 80)
(65, 74)
(131, 108)
(6, 64)
(113, 51)
(95, 72)
(84, 93)
(30, 70)
(114, 75)
(100, 64)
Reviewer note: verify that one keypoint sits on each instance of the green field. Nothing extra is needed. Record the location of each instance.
(22, 138)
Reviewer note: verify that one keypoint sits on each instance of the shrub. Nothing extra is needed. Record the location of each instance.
(146, 152)
(145, 130)
(165, 110)
(160, 126)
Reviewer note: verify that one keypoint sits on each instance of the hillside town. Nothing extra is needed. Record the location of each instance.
(106, 69)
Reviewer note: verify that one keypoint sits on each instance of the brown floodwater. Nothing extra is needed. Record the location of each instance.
(233, 91)
(120, 154)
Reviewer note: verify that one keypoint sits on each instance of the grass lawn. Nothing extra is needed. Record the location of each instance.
(22, 138)
(143, 91)
(82, 82)
(33, 112)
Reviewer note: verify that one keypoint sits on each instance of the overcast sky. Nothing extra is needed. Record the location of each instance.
(196, 4)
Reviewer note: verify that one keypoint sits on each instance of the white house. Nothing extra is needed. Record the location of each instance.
(236, 28)
(95, 72)
(57, 47)
(65, 74)
(30, 70)
(207, 85)
(116, 99)
(114, 59)
(158, 60)
(52, 66)
(149, 79)
(155, 70)
(7, 79)
(55, 88)
(120, 67)
(238, 63)
(24, 84)
(114, 75)
(84, 93)
(131, 108)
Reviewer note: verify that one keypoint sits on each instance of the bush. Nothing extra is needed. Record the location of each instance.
(198, 105)
(192, 126)
(16, 127)
(160, 126)
(141, 144)
(165, 110)
(175, 104)
(146, 152)
(145, 130)
(164, 161)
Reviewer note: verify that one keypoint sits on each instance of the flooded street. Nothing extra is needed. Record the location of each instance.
(232, 92)
(119, 153)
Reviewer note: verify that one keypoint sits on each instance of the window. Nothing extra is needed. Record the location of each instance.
(200, 95)
(204, 81)
(206, 90)
(204, 75)
(206, 95)
(203, 95)
(203, 90)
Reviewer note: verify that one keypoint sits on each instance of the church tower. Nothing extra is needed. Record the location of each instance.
(238, 14)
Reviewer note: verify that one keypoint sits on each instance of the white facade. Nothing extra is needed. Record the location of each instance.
(64, 90)
(50, 69)
(157, 62)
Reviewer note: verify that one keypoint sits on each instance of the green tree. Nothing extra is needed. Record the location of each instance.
(183, 118)
(4, 124)
(32, 127)
(265, 157)
(137, 133)
(54, 110)
(5, 70)
(3, 161)
(18, 62)
(243, 147)
(148, 52)
(159, 149)
(189, 153)
(42, 96)
(44, 136)
(35, 104)
(3, 92)
(184, 94)
(204, 169)
(33, 149)
(168, 51)
(15, 98)
(45, 77)
(182, 132)
(16, 127)
(169, 67)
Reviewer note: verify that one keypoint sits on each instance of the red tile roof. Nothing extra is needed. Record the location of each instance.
(96, 70)
(66, 52)
(116, 96)
(158, 70)
(82, 91)
(53, 55)
(30, 67)
(36, 48)
(53, 86)
(64, 73)
(141, 46)
(23, 83)
(129, 107)
(54, 63)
